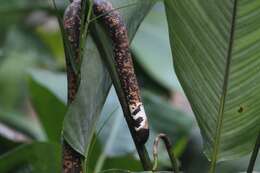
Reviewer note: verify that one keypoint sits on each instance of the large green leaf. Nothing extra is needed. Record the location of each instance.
(44, 86)
(80, 120)
(82, 114)
(150, 53)
(164, 118)
(55, 82)
(32, 158)
(216, 49)
(21, 50)
(235, 166)
(114, 133)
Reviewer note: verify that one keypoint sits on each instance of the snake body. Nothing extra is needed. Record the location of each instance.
(72, 161)
(72, 24)
(113, 21)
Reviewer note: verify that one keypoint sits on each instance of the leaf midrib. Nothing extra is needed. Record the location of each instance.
(224, 91)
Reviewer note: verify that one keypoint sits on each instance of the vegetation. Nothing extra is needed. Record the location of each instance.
(205, 50)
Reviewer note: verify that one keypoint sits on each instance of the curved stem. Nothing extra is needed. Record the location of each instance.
(254, 155)
(168, 146)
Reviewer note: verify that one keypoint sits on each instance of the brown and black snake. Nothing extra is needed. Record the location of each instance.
(113, 22)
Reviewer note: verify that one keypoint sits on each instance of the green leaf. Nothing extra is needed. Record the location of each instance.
(237, 165)
(21, 51)
(23, 124)
(80, 120)
(79, 123)
(53, 40)
(55, 82)
(32, 158)
(48, 93)
(164, 118)
(148, 82)
(12, 74)
(114, 135)
(149, 53)
(113, 132)
(216, 50)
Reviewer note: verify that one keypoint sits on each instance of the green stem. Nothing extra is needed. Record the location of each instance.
(168, 146)
(100, 163)
(84, 165)
(254, 155)
(144, 156)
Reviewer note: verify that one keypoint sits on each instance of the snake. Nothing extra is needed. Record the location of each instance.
(112, 20)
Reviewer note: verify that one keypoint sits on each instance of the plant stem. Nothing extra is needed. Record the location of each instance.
(144, 157)
(84, 165)
(168, 146)
(100, 163)
(254, 155)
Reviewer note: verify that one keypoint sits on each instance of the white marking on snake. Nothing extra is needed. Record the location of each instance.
(140, 114)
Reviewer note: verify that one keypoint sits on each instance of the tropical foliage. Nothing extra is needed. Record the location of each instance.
(206, 50)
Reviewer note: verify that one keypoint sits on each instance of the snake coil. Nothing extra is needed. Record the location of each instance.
(113, 21)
